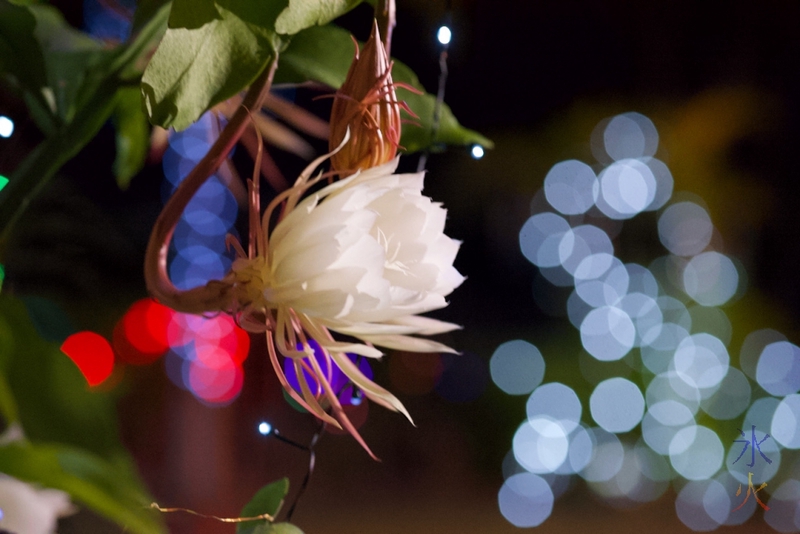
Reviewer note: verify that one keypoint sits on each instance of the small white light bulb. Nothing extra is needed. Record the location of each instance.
(6, 126)
(444, 35)
(264, 428)
(477, 151)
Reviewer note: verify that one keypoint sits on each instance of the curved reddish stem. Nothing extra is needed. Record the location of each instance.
(215, 295)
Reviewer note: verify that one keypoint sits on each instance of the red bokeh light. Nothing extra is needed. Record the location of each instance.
(213, 349)
(145, 327)
(92, 354)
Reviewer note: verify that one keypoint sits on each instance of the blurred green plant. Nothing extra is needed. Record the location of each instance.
(71, 85)
(71, 440)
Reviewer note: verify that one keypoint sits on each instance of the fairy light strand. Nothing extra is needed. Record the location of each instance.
(312, 458)
(444, 35)
(266, 429)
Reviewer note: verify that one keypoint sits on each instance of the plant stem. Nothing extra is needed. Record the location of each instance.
(215, 295)
(385, 14)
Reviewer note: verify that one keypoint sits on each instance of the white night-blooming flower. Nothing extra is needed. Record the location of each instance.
(363, 254)
(361, 257)
(25, 509)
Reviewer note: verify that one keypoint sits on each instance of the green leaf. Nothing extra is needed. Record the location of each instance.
(68, 56)
(419, 136)
(302, 14)
(110, 489)
(211, 51)
(324, 54)
(133, 135)
(145, 11)
(54, 33)
(20, 53)
(8, 406)
(42, 111)
(267, 500)
(134, 56)
(53, 402)
(193, 15)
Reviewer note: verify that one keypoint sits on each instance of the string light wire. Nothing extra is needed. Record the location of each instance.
(443, 72)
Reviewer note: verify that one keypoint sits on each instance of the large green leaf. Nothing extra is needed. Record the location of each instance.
(302, 14)
(267, 500)
(108, 488)
(324, 54)
(215, 48)
(211, 51)
(133, 135)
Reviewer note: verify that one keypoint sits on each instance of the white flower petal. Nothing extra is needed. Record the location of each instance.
(29, 510)
(372, 390)
(426, 326)
(407, 343)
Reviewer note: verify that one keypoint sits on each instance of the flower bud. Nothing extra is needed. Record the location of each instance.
(367, 105)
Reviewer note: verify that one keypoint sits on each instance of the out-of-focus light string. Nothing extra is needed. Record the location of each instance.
(266, 429)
